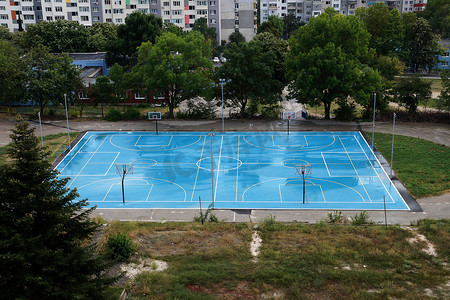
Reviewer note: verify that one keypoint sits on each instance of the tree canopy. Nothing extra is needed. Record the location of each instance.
(138, 28)
(253, 71)
(44, 230)
(177, 66)
(49, 77)
(274, 25)
(59, 36)
(410, 91)
(328, 60)
(437, 12)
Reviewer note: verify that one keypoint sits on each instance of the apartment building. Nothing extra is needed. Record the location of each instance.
(226, 16)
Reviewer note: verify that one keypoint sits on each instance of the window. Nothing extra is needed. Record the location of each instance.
(108, 20)
(142, 1)
(236, 22)
(107, 1)
(139, 96)
(119, 20)
(107, 11)
(212, 21)
(191, 17)
(446, 54)
(176, 3)
(166, 21)
(118, 11)
(28, 17)
(166, 4)
(176, 12)
(117, 2)
(444, 64)
(154, 2)
(83, 95)
(49, 18)
(204, 3)
(47, 1)
(58, 1)
(59, 17)
(154, 11)
(4, 16)
(85, 18)
(84, 8)
(74, 14)
(236, 5)
(202, 12)
(25, 8)
(192, 7)
(95, 9)
(212, 12)
(167, 13)
(96, 18)
(212, 3)
(177, 21)
(143, 10)
(73, 5)
(58, 8)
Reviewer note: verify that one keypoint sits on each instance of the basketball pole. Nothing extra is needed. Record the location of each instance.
(124, 170)
(289, 119)
(304, 187)
(156, 120)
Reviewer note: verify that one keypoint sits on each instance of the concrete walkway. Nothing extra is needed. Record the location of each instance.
(433, 207)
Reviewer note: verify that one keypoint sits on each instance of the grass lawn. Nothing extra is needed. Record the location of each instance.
(55, 143)
(422, 166)
(297, 261)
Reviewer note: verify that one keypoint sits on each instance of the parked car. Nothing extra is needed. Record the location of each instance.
(216, 60)
(223, 60)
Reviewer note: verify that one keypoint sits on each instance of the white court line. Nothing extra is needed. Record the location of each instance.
(384, 171)
(198, 170)
(87, 162)
(149, 192)
(72, 156)
(326, 166)
(362, 183)
(218, 168)
(118, 153)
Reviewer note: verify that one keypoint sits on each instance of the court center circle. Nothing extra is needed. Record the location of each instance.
(144, 163)
(291, 163)
(227, 163)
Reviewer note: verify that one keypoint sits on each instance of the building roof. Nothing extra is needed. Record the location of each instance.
(88, 56)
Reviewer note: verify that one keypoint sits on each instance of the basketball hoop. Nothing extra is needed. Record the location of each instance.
(303, 170)
(123, 170)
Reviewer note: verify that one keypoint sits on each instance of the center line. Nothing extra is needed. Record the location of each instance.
(218, 168)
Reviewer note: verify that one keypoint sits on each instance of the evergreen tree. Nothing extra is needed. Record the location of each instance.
(44, 230)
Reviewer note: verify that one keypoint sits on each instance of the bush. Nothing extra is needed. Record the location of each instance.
(119, 247)
(346, 111)
(113, 115)
(197, 108)
(131, 114)
(361, 219)
(335, 217)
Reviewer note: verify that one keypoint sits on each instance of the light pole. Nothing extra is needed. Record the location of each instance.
(392, 150)
(373, 121)
(222, 82)
(211, 134)
(67, 118)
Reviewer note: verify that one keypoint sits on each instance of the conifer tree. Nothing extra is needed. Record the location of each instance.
(44, 237)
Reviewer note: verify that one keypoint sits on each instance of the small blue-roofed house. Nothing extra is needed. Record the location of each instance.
(444, 58)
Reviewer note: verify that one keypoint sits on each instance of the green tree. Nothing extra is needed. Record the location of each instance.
(100, 35)
(251, 72)
(49, 77)
(59, 36)
(44, 230)
(444, 96)
(274, 25)
(201, 25)
(102, 92)
(12, 74)
(291, 24)
(385, 27)
(177, 66)
(236, 37)
(324, 64)
(437, 12)
(422, 46)
(389, 66)
(410, 91)
(138, 28)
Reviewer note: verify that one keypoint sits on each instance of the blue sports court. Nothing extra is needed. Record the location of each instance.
(239, 170)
